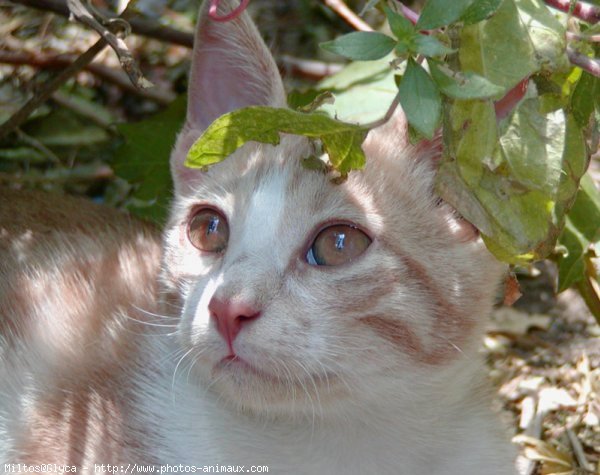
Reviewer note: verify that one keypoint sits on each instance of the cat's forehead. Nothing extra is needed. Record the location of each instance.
(273, 181)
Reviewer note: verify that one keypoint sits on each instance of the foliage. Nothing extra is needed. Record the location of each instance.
(143, 159)
(225, 135)
(516, 115)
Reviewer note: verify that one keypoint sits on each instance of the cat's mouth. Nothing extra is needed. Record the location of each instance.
(233, 363)
(285, 390)
(237, 366)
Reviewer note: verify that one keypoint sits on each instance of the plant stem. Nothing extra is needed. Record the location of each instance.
(351, 18)
(583, 11)
(591, 65)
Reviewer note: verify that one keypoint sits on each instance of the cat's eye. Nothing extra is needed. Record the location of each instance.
(337, 244)
(208, 230)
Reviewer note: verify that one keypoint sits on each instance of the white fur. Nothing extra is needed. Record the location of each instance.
(323, 388)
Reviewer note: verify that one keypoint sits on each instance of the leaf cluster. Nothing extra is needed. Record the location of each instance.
(516, 117)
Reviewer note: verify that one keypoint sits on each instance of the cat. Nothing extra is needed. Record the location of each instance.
(281, 323)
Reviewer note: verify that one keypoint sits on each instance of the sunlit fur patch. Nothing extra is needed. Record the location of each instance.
(409, 301)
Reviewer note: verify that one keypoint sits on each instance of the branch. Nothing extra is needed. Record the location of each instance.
(82, 173)
(583, 11)
(351, 18)
(411, 15)
(582, 37)
(39, 146)
(590, 65)
(115, 76)
(44, 94)
(505, 106)
(128, 63)
(308, 68)
(139, 26)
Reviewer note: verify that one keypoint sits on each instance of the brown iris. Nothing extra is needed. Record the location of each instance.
(208, 230)
(337, 244)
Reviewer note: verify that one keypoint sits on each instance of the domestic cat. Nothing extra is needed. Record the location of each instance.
(284, 321)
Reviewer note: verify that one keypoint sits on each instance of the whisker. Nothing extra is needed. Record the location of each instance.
(175, 372)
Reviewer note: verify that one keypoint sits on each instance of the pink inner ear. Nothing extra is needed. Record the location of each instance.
(224, 87)
(231, 68)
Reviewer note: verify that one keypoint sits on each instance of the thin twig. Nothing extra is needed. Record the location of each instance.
(39, 146)
(388, 115)
(578, 451)
(583, 11)
(582, 37)
(80, 173)
(128, 63)
(44, 94)
(113, 75)
(139, 26)
(68, 103)
(591, 65)
(409, 14)
(310, 68)
(348, 15)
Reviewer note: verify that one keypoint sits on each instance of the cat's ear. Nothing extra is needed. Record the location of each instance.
(392, 136)
(231, 68)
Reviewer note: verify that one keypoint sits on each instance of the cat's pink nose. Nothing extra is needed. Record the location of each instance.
(230, 316)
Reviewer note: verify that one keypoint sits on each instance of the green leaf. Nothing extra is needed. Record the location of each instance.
(401, 27)
(582, 230)
(361, 45)
(498, 49)
(582, 106)
(302, 98)
(62, 128)
(546, 34)
(341, 141)
(143, 159)
(479, 11)
(22, 154)
(363, 91)
(420, 99)
(428, 45)
(516, 188)
(463, 85)
(438, 13)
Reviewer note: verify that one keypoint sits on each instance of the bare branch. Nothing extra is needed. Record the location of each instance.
(44, 94)
(128, 63)
(139, 26)
(351, 18)
(82, 173)
(409, 14)
(583, 11)
(113, 75)
(310, 68)
(583, 37)
(590, 65)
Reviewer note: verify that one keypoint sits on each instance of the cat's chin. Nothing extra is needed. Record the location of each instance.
(252, 389)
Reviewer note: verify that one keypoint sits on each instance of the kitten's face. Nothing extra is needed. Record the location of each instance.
(404, 290)
(262, 323)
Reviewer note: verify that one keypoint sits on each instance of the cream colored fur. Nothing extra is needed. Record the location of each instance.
(368, 367)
